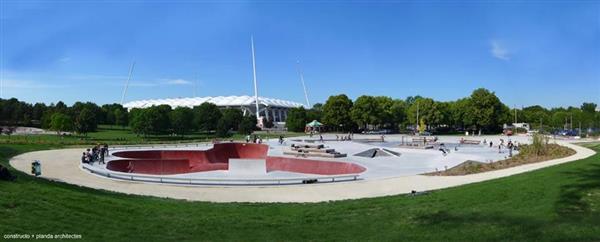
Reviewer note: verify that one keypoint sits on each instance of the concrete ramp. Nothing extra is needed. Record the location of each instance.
(246, 167)
(377, 152)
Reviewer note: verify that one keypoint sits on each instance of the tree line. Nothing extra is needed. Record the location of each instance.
(206, 117)
(481, 111)
(156, 120)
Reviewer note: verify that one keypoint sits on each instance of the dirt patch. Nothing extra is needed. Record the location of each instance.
(526, 156)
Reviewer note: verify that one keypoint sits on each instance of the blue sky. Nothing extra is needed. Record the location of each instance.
(544, 53)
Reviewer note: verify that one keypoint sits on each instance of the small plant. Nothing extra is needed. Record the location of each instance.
(539, 145)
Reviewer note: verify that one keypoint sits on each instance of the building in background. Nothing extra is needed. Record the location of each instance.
(271, 109)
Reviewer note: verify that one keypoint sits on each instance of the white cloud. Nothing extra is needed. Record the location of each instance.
(176, 82)
(26, 84)
(96, 77)
(499, 51)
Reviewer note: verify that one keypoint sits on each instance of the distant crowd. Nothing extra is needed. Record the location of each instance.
(95, 154)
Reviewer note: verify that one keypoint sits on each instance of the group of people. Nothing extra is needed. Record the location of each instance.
(510, 145)
(255, 139)
(348, 137)
(95, 154)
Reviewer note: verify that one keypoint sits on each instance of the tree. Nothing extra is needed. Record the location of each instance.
(141, 122)
(318, 107)
(459, 110)
(429, 111)
(152, 120)
(336, 112)
(231, 119)
(182, 120)
(365, 111)
(85, 122)
(222, 129)
(296, 119)
(398, 113)
(206, 116)
(247, 125)
(38, 111)
(385, 110)
(588, 107)
(160, 121)
(61, 122)
(313, 114)
(121, 117)
(486, 110)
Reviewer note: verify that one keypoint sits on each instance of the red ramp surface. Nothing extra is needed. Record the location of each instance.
(169, 162)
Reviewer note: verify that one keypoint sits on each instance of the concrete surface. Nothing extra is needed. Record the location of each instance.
(63, 165)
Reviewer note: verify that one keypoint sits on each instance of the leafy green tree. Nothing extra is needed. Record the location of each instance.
(385, 115)
(232, 118)
(459, 111)
(121, 117)
(61, 122)
(85, 122)
(588, 107)
(38, 111)
(182, 119)
(152, 120)
(296, 119)
(486, 110)
(141, 122)
(318, 107)
(206, 116)
(429, 111)
(161, 122)
(365, 111)
(247, 125)
(222, 129)
(336, 112)
(398, 113)
(313, 114)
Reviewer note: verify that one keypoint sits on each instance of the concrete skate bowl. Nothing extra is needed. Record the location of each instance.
(171, 162)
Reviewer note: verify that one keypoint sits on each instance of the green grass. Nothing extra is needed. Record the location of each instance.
(122, 135)
(559, 203)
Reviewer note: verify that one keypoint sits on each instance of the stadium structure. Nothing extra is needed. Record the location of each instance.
(265, 109)
(271, 109)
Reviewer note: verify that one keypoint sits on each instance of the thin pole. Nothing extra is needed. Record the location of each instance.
(571, 125)
(515, 114)
(303, 85)
(127, 82)
(254, 75)
(417, 118)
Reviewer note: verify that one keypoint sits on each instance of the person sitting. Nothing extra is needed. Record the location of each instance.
(84, 158)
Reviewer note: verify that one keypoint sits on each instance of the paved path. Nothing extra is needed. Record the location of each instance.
(63, 165)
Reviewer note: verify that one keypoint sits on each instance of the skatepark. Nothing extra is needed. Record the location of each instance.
(214, 177)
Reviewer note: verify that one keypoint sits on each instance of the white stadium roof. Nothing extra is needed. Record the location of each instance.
(219, 101)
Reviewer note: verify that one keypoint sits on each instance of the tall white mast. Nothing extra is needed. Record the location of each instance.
(127, 82)
(303, 85)
(254, 75)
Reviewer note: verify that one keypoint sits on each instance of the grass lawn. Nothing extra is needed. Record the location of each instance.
(560, 203)
(123, 135)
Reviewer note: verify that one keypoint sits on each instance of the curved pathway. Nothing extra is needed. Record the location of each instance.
(63, 165)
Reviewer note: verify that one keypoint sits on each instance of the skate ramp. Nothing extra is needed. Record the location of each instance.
(377, 152)
(220, 157)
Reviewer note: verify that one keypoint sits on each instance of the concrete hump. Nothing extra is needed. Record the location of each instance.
(377, 152)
